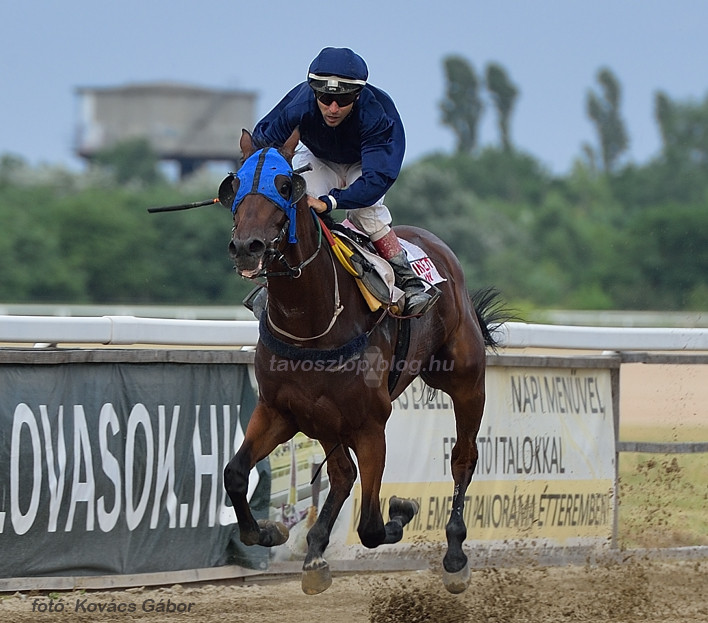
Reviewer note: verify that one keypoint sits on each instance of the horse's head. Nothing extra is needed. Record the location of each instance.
(262, 196)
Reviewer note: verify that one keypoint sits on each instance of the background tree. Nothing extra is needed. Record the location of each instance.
(663, 113)
(684, 130)
(132, 160)
(604, 111)
(462, 107)
(504, 95)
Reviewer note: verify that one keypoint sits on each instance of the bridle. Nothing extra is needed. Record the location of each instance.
(259, 179)
(273, 253)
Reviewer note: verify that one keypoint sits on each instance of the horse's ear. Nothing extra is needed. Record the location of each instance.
(227, 191)
(246, 144)
(290, 145)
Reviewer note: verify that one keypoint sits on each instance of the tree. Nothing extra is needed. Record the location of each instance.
(132, 160)
(604, 111)
(462, 107)
(684, 130)
(664, 113)
(504, 94)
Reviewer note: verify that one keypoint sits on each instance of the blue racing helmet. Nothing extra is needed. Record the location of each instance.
(337, 70)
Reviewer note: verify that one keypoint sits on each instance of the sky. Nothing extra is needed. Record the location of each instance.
(551, 50)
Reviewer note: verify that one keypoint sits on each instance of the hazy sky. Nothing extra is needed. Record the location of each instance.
(551, 49)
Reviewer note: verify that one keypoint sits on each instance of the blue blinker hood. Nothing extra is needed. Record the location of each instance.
(257, 177)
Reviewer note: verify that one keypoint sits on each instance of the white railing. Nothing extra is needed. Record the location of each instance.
(127, 330)
(522, 335)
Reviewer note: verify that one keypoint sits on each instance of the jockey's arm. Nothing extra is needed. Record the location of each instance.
(316, 204)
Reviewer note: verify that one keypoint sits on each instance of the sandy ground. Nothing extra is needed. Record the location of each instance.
(634, 590)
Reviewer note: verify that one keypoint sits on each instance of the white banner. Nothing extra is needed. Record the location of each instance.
(545, 474)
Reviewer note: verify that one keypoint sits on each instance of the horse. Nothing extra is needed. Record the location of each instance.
(315, 311)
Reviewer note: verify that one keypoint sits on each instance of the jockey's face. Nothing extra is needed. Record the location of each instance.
(333, 114)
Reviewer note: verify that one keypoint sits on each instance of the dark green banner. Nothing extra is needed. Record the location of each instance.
(118, 467)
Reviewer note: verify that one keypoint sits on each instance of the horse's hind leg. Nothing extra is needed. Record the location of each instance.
(316, 575)
(465, 385)
(265, 431)
(469, 406)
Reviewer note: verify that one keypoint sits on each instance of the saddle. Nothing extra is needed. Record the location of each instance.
(374, 275)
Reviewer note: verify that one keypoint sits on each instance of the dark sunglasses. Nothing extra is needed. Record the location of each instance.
(342, 99)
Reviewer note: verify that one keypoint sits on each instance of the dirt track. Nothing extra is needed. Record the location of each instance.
(634, 591)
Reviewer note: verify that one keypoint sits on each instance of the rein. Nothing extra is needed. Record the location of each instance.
(338, 307)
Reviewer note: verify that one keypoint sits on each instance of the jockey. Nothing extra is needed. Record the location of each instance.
(352, 136)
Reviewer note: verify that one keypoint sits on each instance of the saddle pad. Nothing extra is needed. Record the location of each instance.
(421, 263)
(386, 290)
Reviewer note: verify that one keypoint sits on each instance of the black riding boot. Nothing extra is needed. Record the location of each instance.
(417, 299)
(256, 301)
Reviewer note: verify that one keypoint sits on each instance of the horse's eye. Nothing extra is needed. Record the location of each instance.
(285, 189)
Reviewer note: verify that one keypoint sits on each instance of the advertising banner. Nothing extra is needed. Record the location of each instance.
(118, 467)
(545, 474)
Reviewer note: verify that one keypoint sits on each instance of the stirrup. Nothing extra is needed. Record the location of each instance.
(433, 294)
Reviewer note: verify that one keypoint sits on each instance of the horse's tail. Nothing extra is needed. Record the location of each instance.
(491, 313)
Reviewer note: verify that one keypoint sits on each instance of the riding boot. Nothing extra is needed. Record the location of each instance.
(256, 301)
(417, 299)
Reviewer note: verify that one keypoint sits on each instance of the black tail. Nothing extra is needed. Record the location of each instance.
(491, 313)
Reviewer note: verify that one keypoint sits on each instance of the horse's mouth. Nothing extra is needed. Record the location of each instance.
(250, 273)
(248, 256)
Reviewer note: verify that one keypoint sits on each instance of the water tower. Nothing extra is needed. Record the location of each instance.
(186, 124)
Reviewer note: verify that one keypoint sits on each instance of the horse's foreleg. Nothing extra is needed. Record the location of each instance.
(370, 450)
(371, 454)
(316, 576)
(400, 513)
(265, 431)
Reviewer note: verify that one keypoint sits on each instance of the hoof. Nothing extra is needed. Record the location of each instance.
(272, 533)
(458, 581)
(316, 579)
(407, 508)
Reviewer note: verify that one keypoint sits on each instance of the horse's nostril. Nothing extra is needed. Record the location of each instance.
(251, 247)
(256, 246)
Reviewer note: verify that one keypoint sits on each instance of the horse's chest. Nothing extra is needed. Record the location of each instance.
(327, 409)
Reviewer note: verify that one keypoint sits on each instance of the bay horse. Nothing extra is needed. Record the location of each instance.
(315, 311)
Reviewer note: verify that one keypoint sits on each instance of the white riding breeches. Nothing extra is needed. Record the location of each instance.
(374, 220)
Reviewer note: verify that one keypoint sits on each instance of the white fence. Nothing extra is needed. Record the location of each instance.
(628, 344)
(128, 330)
